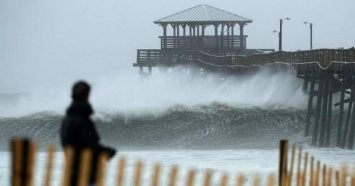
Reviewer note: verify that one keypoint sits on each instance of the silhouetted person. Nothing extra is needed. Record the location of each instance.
(79, 131)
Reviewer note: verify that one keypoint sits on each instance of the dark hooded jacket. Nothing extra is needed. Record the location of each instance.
(79, 131)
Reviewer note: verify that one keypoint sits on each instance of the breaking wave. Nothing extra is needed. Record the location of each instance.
(170, 110)
(214, 126)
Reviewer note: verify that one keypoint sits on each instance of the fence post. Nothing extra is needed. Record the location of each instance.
(191, 178)
(240, 180)
(121, 171)
(69, 158)
(138, 173)
(207, 179)
(224, 180)
(101, 172)
(23, 156)
(49, 168)
(283, 162)
(85, 167)
(156, 175)
(173, 176)
(17, 158)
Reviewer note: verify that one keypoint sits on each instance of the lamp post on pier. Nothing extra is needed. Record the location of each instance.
(311, 33)
(275, 31)
(280, 32)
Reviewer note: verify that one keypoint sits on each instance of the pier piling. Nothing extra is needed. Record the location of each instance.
(305, 82)
(352, 126)
(318, 110)
(324, 109)
(310, 102)
(350, 107)
(329, 114)
(341, 110)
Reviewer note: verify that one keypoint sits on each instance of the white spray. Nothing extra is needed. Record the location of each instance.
(128, 93)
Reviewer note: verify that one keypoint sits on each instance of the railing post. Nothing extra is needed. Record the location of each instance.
(148, 56)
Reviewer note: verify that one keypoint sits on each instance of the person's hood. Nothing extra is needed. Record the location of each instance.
(80, 108)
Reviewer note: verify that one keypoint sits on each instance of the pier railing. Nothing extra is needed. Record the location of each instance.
(301, 170)
(199, 42)
(300, 61)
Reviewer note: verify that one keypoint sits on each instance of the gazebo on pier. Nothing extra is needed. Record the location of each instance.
(189, 37)
(189, 27)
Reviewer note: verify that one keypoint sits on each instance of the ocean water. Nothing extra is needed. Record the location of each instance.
(193, 120)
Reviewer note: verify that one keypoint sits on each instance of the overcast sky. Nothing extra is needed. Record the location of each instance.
(49, 41)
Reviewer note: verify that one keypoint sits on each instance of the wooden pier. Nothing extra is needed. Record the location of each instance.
(326, 72)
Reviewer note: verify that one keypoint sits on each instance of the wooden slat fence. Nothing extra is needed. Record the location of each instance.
(303, 170)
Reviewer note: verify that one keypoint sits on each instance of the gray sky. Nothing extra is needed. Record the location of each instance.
(48, 42)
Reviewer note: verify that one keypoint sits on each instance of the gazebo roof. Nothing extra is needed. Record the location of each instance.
(202, 13)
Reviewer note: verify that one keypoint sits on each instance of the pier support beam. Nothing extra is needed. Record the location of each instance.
(318, 110)
(324, 109)
(310, 102)
(305, 82)
(329, 114)
(341, 110)
(345, 131)
(352, 127)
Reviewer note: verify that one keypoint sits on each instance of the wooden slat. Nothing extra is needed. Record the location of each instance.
(85, 167)
(324, 175)
(173, 176)
(313, 181)
(316, 177)
(330, 177)
(301, 178)
(30, 163)
(224, 180)
(305, 169)
(156, 175)
(121, 171)
(207, 179)
(283, 162)
(138, 174)
(101, 172)
(49, 167)
(343, 174)
(271, 180)
(311, 171)
(289, 178)
(256, 180)
(67, 170)
(337, 178)
(191, 178)
(17, 155)
(240, 179)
